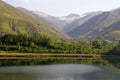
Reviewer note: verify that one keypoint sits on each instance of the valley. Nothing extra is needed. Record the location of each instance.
(59, 40)
(27, 31)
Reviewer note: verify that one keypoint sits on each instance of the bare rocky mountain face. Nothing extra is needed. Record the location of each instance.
(102, 26)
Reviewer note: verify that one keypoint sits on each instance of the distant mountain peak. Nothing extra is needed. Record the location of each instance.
(42, 14)
(72, 15)
(62, 21)
(91, 13)
(116, 9)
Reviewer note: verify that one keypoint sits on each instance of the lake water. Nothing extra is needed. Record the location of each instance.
(60, 72)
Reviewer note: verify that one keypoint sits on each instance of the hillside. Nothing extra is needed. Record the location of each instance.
(95, 26)
(52, 19)
(12, 20)
(59, 22)
(112, 32)
(43, 20)
(37, 17)
(79, 21)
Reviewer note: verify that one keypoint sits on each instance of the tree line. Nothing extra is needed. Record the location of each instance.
(47, 44)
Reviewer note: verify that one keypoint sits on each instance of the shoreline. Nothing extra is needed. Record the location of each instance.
(46, 55)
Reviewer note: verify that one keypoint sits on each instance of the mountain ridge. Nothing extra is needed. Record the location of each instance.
(15, 21)
(59, 22)
(95, 26)
(80, 21)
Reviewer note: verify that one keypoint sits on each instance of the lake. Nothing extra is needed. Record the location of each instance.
(66, 71)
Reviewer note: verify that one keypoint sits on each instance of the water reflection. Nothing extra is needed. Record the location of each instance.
(58, 72)
(106, 69)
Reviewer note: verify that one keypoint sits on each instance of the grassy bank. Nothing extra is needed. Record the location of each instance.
(16, 59)
(46, 56)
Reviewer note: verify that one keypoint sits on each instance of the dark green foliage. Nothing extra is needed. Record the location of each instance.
(9, 39)
(46, 44)
(115, 50)
(97, 44)
(22, 43)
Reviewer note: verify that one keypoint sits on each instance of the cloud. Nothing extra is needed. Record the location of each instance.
(23, 1)
(18, 1)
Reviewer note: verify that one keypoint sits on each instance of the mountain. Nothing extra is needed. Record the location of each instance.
(78, 21)
(52, 19)
(39, 18)
(112, 33)
(13, 20)
(95, 26)
(59, 22)
(69, 18)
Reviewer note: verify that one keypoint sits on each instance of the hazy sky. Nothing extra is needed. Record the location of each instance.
(65, 7)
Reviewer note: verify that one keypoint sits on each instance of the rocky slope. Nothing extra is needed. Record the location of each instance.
(97, 25)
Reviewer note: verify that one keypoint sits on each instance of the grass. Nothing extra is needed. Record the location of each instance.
(116, 32)
(45, 55)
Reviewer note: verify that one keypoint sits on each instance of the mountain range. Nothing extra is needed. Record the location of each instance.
(79, 21)
(101, 25)
(16, 21)
(59, 22)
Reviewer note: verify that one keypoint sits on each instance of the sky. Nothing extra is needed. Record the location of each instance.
(65, 7)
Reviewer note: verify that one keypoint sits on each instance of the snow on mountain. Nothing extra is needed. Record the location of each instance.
(67, 19)
(41, 14)
(59, 22)
(70, 17)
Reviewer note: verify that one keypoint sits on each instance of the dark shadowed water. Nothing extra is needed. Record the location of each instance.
(59, 72)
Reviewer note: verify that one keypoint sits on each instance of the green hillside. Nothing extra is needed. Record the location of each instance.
(14, 21)
(43, 20)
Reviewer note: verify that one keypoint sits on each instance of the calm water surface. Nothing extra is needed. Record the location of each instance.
(59, 72)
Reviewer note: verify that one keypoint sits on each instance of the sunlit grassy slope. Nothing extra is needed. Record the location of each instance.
(12, 20)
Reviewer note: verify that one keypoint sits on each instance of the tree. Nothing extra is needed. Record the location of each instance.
(115, 50)
(96, 44)
(9, 39)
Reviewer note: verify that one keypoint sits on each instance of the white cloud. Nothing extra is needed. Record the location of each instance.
(18, 1)
(23, 1)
